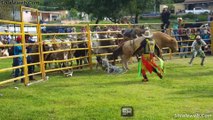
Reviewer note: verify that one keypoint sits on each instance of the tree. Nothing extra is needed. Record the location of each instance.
(73, 13)
(111, 9)
(136, 7)
(5, 11)
(56, 4)
(10, 9)
(179, 1)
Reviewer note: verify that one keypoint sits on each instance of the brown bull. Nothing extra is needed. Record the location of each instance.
(128, 48)
(162, 40)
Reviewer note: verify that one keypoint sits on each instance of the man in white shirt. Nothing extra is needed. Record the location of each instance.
(197, 49)
(6, 38)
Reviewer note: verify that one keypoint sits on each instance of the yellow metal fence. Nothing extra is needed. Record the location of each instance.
(42, 70)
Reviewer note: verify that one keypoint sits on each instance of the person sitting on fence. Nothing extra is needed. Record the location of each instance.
(175, 30)
(197, 49)
(106, 66)
(165, 19)
(18, 60)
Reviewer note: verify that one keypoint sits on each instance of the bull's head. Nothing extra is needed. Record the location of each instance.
(48, 46)
(174, 45)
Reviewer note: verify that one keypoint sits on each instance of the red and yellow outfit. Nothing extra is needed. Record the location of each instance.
(148, 59)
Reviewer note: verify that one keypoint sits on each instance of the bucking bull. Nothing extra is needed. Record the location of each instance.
(132, 42)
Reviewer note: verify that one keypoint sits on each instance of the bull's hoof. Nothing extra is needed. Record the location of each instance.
(160, 76)
(145, 80)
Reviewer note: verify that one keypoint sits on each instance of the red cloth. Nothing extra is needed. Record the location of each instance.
(147, 64)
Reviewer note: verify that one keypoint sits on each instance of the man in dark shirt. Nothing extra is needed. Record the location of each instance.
(29, 39)
(165, 19)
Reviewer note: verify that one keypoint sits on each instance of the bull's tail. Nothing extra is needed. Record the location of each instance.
(117, 52)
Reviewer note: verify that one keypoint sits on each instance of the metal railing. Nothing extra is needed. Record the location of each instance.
(41, 53)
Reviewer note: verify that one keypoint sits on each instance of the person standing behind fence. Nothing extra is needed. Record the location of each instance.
(6, 38)
(29, 39)
(184, 43)
(210, 18)
(197, 50)
(18, 61)
(165, 18)
(175, 30)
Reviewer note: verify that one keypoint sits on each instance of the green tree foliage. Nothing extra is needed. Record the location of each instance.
(56, 4)
(136, 7)
(112, 9)
(73, 13)
(10, 9)
(179, 1)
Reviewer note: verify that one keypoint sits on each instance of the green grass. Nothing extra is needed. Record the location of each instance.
(92, 95)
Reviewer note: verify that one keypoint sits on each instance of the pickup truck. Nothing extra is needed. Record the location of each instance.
(197, 10)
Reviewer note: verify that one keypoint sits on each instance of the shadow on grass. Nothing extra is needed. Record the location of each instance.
(187, 75)
(195, 91)
(121, 83)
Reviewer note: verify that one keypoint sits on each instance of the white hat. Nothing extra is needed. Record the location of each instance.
(179, 18)
(198, 37)
(165, 6)
(147, 34)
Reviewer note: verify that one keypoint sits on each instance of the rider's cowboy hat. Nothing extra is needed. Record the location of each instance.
(147, 34)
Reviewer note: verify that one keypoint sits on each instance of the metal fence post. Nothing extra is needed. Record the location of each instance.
(129, 25)
(89, 46)
(211, 37)
(40, 47)
(24, 52)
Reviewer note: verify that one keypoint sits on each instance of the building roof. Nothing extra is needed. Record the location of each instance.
(197, 1)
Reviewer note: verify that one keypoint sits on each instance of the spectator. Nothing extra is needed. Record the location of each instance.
(210, 18)
(180, 22)
(18, 60)
(29, 39)
(192, 34)
(98, 29)
(184, 43)
(165, 18)
(6, 38)
(206, 35)
(83, 30)
(175, 30)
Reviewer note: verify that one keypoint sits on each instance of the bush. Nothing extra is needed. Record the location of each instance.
(201, 17)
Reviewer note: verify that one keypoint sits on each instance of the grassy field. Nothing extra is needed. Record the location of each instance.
(94, 95)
